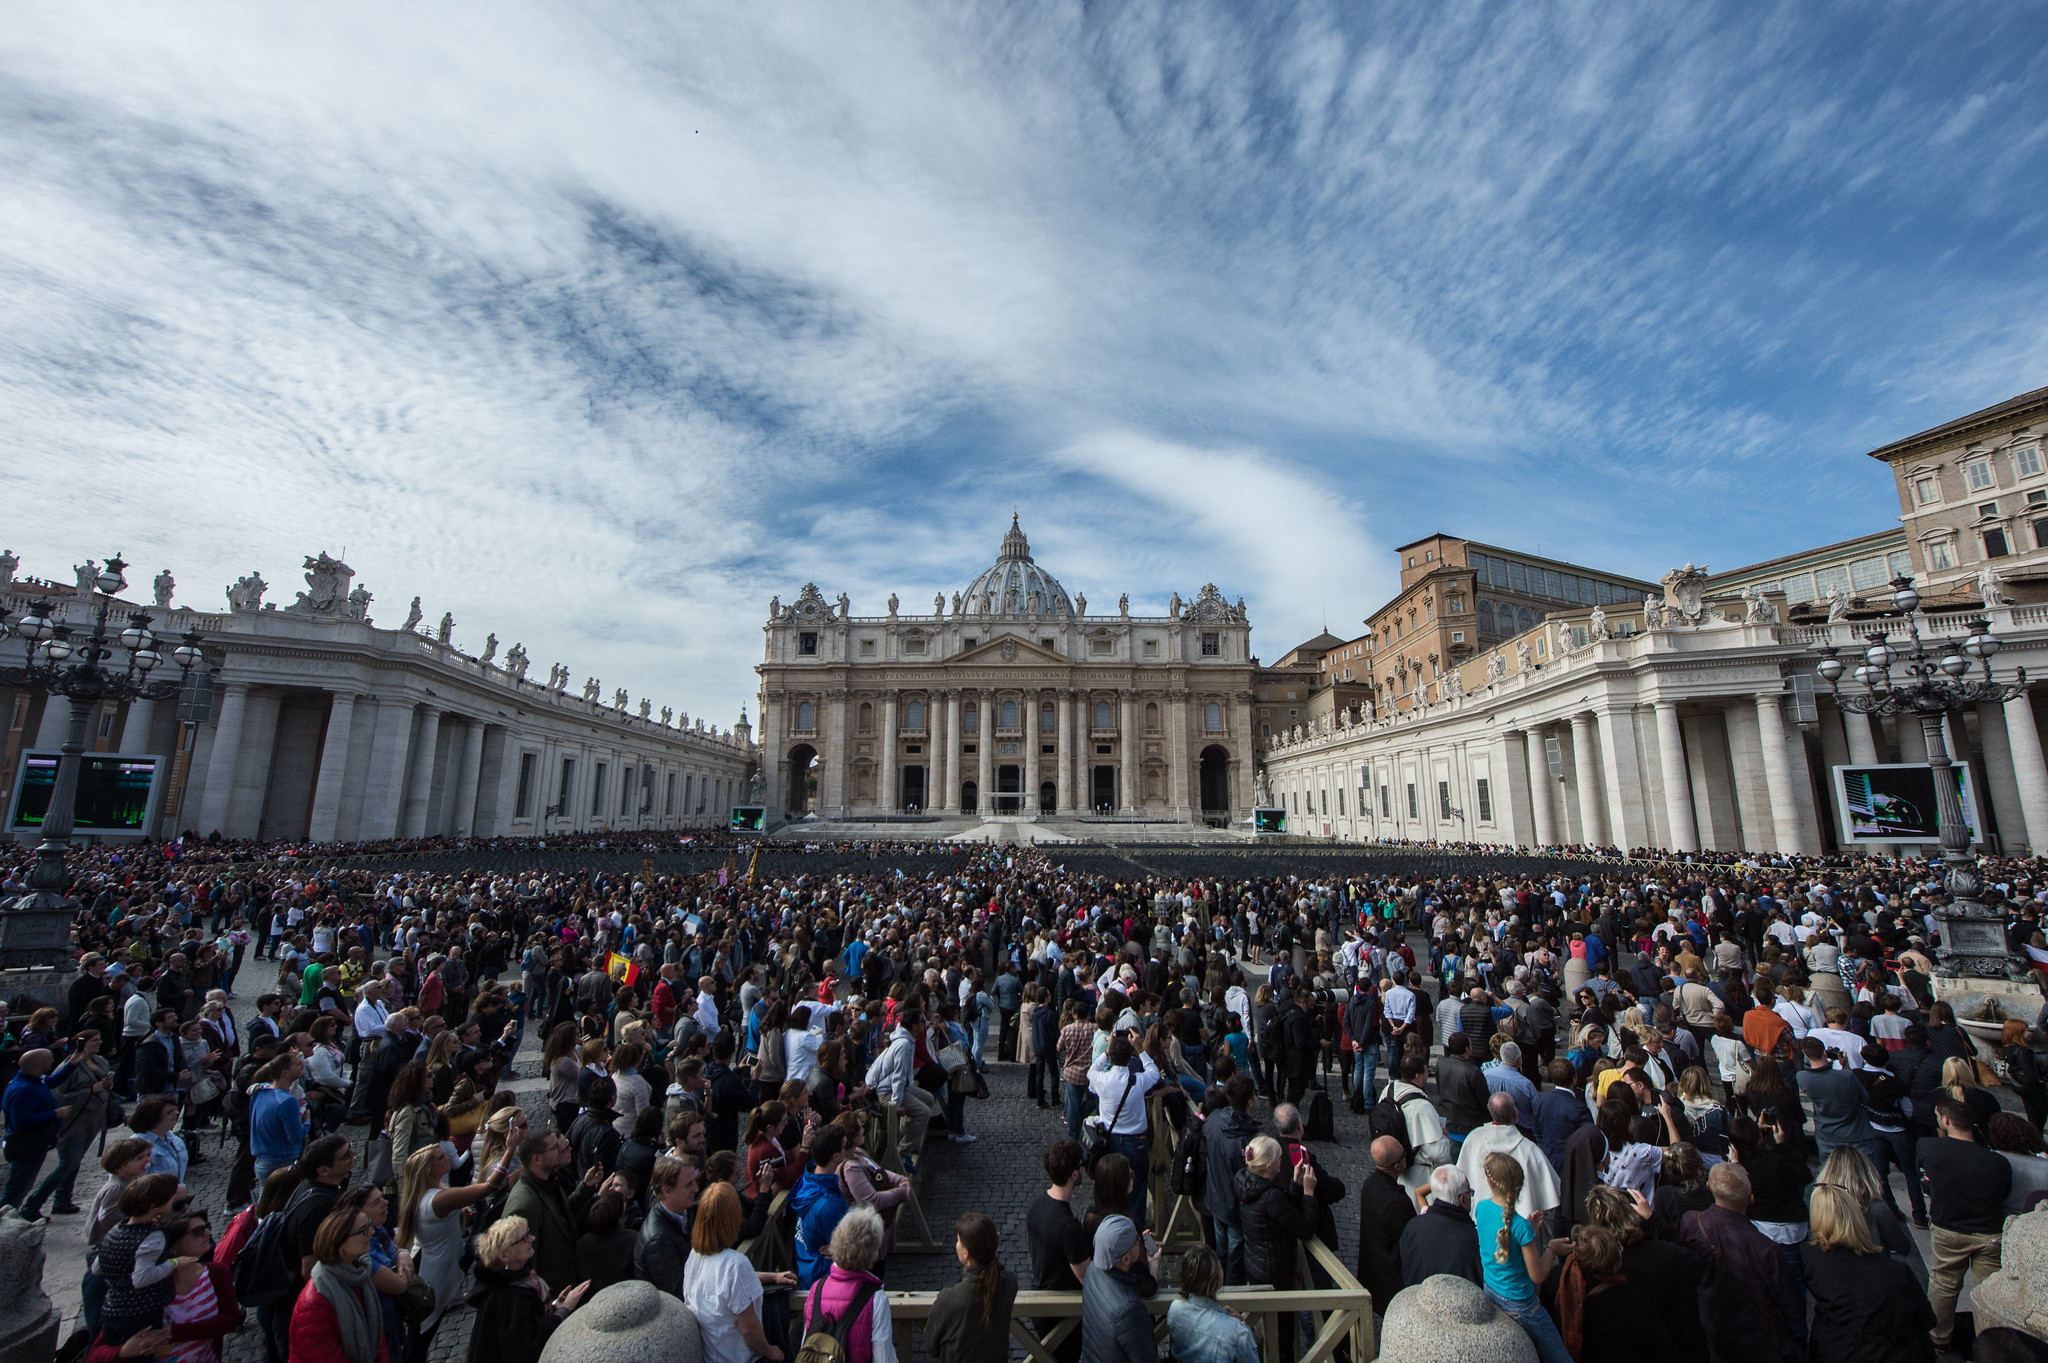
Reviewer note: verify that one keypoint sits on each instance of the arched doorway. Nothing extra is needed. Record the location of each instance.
(1215, 782)
(803, 780)
(967, 797)
(1048, 797)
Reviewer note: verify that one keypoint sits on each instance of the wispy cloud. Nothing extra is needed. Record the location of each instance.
(598, 325)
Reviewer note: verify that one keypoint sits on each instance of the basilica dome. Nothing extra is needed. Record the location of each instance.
(1015, 585)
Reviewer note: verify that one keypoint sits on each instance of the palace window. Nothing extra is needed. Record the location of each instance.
(1151, 648)
(1994, 544)
(1414, 810)
(1443, 800)
(2026, 461)
(1212, 718)
(669, 807)
(1386, 808)
(803, 716)
(807, 644)
(1927, 489)
(1049, 645)
(1102, 716)
(1485, 789)
(1940, 554)
(597, 789)
(522, 804)
(1979, 476)
(913, 715)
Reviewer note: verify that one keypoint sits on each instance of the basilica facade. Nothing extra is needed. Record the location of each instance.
(1008, 699)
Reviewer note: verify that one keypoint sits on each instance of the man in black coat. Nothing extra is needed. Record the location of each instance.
(1384, 1211)
(1225, 1134)
(1461, 1087)
(1300, 1043)
(1442, 1239)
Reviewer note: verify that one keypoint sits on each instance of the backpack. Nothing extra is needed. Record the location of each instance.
(1388, 1119)
(1321, 1122)
(970, 1011)
(1188, 1175)
(1269, 1036)
(825, 1336)
(264, 1274)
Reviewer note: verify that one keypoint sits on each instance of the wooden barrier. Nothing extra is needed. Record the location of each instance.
(1341, 1312)
(1178, 1217)
(777, 1251)
(913, 1235)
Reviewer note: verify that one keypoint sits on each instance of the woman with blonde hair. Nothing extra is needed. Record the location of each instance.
(514, 1317)
(1851, 1170)
(1514, 1258)
(1203, 1330)
(1867, 1306)
(430, 1221)
(503, 1130)
(1959, 1081)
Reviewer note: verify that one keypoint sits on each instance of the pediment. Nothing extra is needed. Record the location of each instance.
(1009, 650)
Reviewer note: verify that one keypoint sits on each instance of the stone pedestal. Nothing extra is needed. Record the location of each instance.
(49, 986)
(630, 1322)
(2017, 1295)
(1983, 1004)
(28, 1321)
(1445, 1319)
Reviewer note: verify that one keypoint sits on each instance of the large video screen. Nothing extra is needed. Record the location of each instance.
(749, 818)
(1896, 803)
(116, 793)
(1269, 820)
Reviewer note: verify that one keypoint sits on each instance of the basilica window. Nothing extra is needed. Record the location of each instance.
(807, 644)
(1212, 645)
(1047, 721)
(1151, 717)
(970, 719)
(913, 648)
(1212, 717)
(1151, 648)
(1009, 714)
(867, 718)
(1101, 648)
(867, 648)
(1102, 719)
(913, 715)
(803, 716)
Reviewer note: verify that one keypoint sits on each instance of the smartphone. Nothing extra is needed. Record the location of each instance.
(1151, 1246)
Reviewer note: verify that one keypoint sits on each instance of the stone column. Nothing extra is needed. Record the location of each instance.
(2029, 770)
(1770, 718)
(135, 728)
(832, 780)
(220, 767)
(252, 769)
(471, 773)
(985, 754)
(1677, 781)
(1862, 742)
(1034, 738)
(887, 793)
(1591, 813)
(384, 796)
(419, 782)
(1177, 752)
(1539, 789)
(327, 786)
(949, 760)
(1063, 760)
(1127, 736)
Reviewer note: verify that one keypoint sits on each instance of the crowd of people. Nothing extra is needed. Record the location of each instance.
(1635, 1103)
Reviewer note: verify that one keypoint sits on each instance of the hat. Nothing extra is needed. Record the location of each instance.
(1113, 1240)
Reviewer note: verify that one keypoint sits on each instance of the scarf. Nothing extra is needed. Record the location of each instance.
(1573, 1287)
(356, 1312)
(309, 985)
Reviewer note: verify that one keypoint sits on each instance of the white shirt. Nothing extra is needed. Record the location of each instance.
(707, 1014)
(1399, 1004)
(370, 1015)
(1848, 1043)
(800, 1053)
(1110, 1084)
(717, 1288)
(135, 1016)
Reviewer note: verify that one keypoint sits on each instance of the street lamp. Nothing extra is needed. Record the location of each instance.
(1972, 935)
(36, 928)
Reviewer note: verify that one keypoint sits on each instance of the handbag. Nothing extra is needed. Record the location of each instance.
(952, 1058)
(205, 1089)
(380, 1161)
(417, 1302)
(466, 1123)
(1095, 1133)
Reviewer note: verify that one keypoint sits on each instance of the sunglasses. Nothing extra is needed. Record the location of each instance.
(180, 1204)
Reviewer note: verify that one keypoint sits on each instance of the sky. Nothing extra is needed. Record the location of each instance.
(599, 325)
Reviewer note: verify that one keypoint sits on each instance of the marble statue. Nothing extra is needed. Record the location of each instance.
(87, 572)
(412, 617)
(1596, 625)
(1123, 604)
(956, 603)
(1757, 607)
(1262, 792)
(9, 561)
(515, 662)
(1081, 604)
(1344, 718)
(646, 708)
(1523, 659)
(668, 712)
(1653, 613)
(756, 786)
(359, 604)
(619, 699)
(1838, 604)
(938, 605)
(326, 591)
(775, 607)
(1454, 685)
(845, 607)
(490, 649)
(686, 721)
(165, 584)
(561, 678)
(247, 593)
(590, 689)
(1991, 587)
(892, 605)
(446, 627)
(1173, 606)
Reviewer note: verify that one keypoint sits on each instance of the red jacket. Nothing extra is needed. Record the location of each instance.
(664, 1005)
(315, 1335)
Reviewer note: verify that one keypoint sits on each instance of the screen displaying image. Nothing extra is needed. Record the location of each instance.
(1269, 821)
(1897, 803)
(113, 793)
(749, 818)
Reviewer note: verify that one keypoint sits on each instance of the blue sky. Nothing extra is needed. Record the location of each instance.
(598, 325)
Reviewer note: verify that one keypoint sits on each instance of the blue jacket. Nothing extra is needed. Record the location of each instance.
(28, 1104)
(1555, 1115)
(275, 1129)
(819, 1204)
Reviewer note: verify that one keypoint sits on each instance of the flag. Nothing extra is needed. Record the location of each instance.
(2037, 958)
(622, 969)
(754, 866)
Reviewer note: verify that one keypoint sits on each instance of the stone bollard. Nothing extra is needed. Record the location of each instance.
(28, 1322)
(2017, 1295)
(1445, 1319)
(629, 1322)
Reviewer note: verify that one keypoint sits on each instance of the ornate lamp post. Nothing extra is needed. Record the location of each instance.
(1972, 935)
(36, 929)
